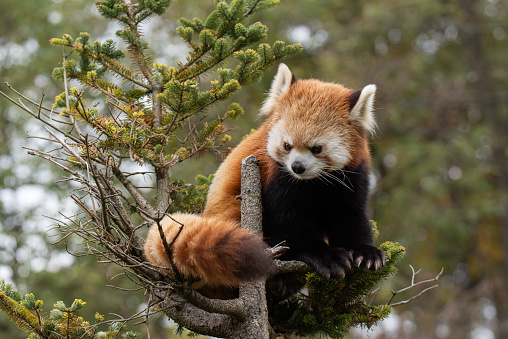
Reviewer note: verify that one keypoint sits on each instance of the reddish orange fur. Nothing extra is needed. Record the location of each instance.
(221, 200)
(308, 120)
(194, 251)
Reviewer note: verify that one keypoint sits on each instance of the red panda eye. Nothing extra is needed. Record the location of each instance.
(287, 146)
(316, 149)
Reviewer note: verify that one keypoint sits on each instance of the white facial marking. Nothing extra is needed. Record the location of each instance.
(339, 154)
(276, 137)
(314, 164)
(311, 164)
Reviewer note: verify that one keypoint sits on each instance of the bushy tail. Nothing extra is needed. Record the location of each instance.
(217, 251)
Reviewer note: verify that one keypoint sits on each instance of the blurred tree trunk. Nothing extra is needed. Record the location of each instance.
(485, 96)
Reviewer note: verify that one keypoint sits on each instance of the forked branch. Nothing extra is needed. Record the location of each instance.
(413, 285)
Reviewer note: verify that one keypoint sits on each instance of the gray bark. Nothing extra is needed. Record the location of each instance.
(253, 294)
(163, 199)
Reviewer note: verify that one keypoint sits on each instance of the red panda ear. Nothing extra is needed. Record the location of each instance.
(362, 107)
(280, 85)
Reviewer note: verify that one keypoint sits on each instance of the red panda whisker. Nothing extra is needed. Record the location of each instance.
(343, 170)
(333, 177)
(323, 178)
(345, 177)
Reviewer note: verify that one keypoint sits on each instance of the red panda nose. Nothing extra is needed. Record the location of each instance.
(297, 167)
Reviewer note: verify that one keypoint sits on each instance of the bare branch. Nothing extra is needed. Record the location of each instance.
(291, 266)
(278, 249)
(413, 297)
(140, 200)
(167, 247)
(29, 111)
(163, 196)
(253, 294)
(233, 307)
(413, 284)
(195, 318)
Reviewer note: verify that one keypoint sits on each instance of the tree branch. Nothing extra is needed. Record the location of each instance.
(192, 317)
(163, 196)
(413, 284)
(29, 111)
(140, 200)
(253, 294)
(291, 266)
(232, 307)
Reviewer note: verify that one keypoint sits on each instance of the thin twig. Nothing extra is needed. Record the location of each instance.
(167, 247)
(413, 297)
(413, 284)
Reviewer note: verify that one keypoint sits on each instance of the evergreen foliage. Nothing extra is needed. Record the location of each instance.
(331, 306)
(62, 322)
(189, 197)
(157, 100)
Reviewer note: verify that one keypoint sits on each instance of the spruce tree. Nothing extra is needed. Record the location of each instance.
(154, 117)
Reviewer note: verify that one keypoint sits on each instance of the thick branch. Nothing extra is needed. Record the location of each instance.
(233, 307)
(253, 294)
(195, 318)
(251, 206)
(163, 198)
(245, 317)
(291, 266)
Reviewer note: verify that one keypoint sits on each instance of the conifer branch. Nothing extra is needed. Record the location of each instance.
(202, 51)
(252, 9)
(120, 69)
(66, 89)
(19, 315)
(157, 104)
(194, 73)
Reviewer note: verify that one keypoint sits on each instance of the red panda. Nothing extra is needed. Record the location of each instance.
(314, 161)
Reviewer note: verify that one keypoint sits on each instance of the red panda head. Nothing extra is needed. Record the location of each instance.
(317, 127)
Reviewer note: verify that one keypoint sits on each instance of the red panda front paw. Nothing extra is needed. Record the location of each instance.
(283, 286)
(368, 258)
(329, 261)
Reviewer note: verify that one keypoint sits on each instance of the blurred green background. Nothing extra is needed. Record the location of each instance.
(440, 157)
